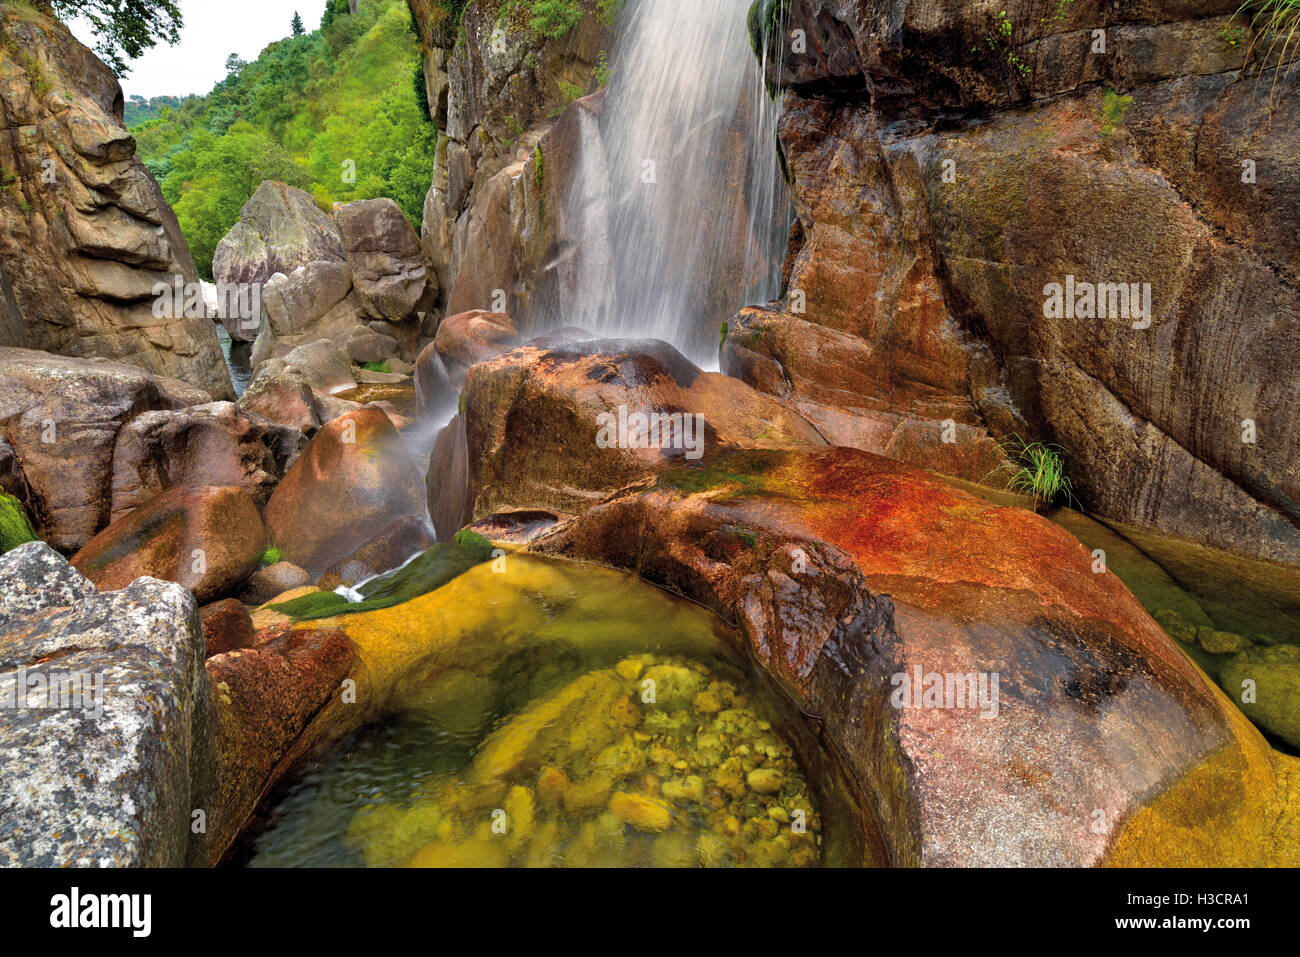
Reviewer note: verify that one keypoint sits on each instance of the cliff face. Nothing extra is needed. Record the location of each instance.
(958, 175)
(495, 86)
(86, 233)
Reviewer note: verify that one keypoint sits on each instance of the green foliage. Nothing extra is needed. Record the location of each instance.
(1113, 110)
(140, 110)
(124, 28)
(421, 89)
(1039, 472)
(722, 334)
(1001, 43)
(296, 25)
(378, 367)
(15, 528)
(209, 182)
(551, 18)
(272, 556)
(603, 72)
(539, 167)
(308, 111)
(608, 11)
(1278, 21)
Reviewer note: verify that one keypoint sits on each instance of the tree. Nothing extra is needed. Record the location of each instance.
(124, 28)
(298, 28)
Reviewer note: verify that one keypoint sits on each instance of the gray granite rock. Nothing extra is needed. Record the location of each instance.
(102, 778)
(35, 577)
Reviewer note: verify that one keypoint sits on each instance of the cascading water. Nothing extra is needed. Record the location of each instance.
(691, 209)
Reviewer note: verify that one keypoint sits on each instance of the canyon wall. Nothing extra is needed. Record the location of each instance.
(495, 87)
(951, 162)
(86, 234)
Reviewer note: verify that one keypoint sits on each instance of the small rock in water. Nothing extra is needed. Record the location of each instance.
(598, 774)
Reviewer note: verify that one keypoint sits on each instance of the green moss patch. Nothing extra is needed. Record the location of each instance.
(439, 565)
(15, 528)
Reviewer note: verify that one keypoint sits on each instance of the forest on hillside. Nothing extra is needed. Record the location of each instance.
(339, 112)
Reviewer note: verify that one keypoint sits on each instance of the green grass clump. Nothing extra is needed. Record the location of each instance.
(1113, 110)
(377, 367)
(272, 556)
(15, 528)
(1039, 471)
(1279, 21)
(439, 565)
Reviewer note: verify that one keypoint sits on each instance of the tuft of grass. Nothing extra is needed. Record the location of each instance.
(1039, 471)
(377, 367)
(272, 556)
(1279, 21)
(1114, 108)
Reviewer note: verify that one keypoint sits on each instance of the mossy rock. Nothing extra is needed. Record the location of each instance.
(1275, 672)
(439, 565)
(15, 528)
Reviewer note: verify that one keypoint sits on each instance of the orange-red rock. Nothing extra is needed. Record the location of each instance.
(354, 478)
(208, 539)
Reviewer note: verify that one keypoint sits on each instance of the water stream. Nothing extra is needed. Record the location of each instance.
(679, 206)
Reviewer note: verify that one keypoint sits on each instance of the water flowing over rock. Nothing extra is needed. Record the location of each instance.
(595, 415)
(942, 198)
(121, 796)
(353, 479)
(86, 236)
(652, 209)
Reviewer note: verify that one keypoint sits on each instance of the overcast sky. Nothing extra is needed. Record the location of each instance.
(214, 29)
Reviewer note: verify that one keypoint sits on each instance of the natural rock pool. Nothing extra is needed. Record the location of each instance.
(621, 731)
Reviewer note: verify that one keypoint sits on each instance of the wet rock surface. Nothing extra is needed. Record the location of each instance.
(554, 405)
(931, 184)
(353, 479)
(847, 570)
(216, 444)
(207, 538)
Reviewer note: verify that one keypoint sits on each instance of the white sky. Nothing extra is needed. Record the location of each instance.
(214, 29)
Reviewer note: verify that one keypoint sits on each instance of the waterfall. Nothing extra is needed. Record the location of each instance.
(692, 206)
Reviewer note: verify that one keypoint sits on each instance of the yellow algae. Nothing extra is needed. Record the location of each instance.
(1238, 808)
(571, 780)
(480, 619)
(386, 833)
(472, 853)
(641, 811)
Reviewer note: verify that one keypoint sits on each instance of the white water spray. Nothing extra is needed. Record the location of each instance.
(691, 209)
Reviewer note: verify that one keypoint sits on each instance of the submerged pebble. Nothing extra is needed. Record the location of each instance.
(654, 761)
